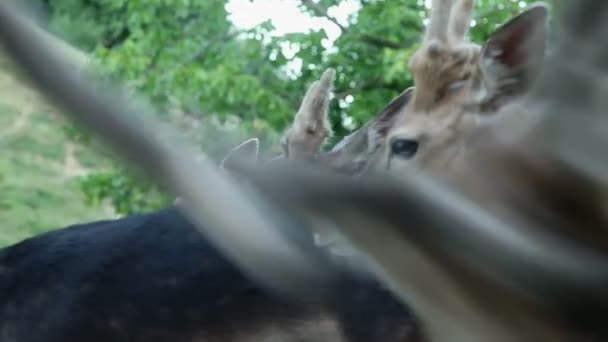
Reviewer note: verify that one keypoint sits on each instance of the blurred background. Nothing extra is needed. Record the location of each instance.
(221, 71)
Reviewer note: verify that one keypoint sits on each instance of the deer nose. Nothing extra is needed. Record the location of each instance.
(404, 148)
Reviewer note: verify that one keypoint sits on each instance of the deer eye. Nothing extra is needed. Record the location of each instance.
(404, 148)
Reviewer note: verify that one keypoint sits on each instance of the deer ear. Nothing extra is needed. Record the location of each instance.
(381, 125)
(513, 54)
(247, 150)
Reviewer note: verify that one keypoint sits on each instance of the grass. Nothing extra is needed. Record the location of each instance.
(38, 190)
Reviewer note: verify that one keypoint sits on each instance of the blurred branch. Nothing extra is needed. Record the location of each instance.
(117, 39)
(203, 50)
(382, 43)
(187, 33)
(200, 52)
(366, 38)
(321, 12)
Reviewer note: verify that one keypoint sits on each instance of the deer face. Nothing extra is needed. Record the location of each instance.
(459, 85)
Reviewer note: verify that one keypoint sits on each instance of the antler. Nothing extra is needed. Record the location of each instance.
(449, 22)
(437, 30)
(311, 126)
(460, 20)
(442, 58)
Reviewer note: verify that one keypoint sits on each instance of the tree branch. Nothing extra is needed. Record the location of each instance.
(382, 43)
(375, 41)
(200, 53)
(321, 12)
(186, 33)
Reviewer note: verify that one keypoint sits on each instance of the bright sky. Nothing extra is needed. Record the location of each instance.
(286, 16)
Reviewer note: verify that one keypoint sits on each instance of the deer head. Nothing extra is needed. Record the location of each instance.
(355, 153)
(459, 84)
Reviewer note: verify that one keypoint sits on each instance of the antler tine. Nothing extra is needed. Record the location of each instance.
(311, 125)
(460, 20)
(438, 26)
(317, 96)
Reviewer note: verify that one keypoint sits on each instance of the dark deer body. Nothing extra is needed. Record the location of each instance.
(153, 277)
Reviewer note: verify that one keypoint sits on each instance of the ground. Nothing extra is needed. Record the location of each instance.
(39, 164)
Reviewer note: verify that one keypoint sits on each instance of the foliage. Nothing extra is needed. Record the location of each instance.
(126, 193)
(190, 60)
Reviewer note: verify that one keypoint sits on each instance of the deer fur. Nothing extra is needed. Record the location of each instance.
(154, 277)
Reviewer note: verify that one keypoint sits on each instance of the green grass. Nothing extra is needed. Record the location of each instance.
(7, 114)
(37, 191)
